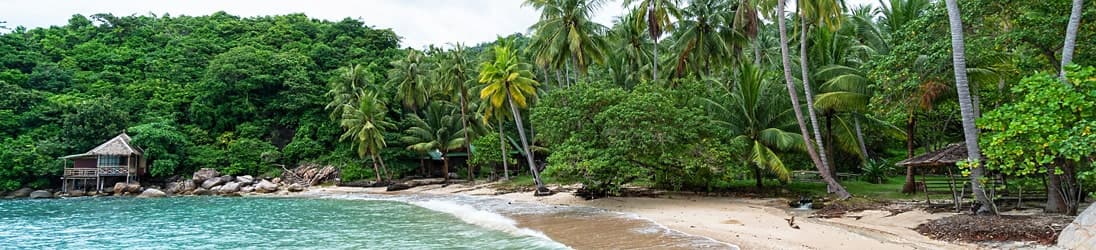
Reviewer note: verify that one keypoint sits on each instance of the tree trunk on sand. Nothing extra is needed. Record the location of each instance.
(911, 123)
(805, 75)
(384, 168)
(1071, 37)
(1055, 202)
(376, 170)
(966, 108)
(525, 144)
(422, 166)
(831, 184)
(502, 146)
(757, 177)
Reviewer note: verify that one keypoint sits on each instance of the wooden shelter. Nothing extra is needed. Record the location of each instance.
(113, 159)
(945, 158)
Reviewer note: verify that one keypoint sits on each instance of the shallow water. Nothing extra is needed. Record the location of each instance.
(249, 223)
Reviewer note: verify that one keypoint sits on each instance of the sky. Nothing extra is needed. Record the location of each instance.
(418, 22)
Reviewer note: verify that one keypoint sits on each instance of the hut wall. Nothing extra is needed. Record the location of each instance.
(85, 163)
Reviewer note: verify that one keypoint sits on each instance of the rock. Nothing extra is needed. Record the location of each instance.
(173, 187)
(201, 191)
(277, 180)
(397, 187)
(227, 178)
(215, 181)
(204, 174)
(21, 193)
(231, 187)
(76, 193)
(152, 192)
(265, 186)
(215, 189)
(133, 188)
(454, 176)
(40, 194)
(245, 180)
(1081, 234)
(188, 186)
(247, 189)
(119, 188)
(295, 187)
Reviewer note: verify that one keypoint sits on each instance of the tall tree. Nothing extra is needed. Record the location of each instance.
(831, 183)
(566, 32)
(1071, 36)
(823, 12)
(656, 14)
(456, 76)
(365, 125)
(437, 129)
(966, 108)
(408, 75)
(507, 78)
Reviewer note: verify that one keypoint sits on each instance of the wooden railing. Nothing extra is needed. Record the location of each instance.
(80, 172)
(113, 171)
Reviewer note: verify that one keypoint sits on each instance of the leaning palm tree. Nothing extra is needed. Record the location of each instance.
(966, 108)
(831, 183)
(437, 129)
(508, 79)
(365, 125)
(825, 13)
(656, 15)
(567, 32)
(1071, 36)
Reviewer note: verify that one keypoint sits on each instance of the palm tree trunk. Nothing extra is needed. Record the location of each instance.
(654, 37)
(384, 168)
(376, 170)
(832, 184)
(502, 146)
(805, 75)
(464, 124)
(860, 138)
(1071, 37)
(525, 143)
(910, 186)
(970, 132)
(445, 165)
(758, 178)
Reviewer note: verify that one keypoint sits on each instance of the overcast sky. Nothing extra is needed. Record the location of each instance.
(419, 22)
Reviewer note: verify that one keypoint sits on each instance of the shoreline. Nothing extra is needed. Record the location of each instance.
(748, 223)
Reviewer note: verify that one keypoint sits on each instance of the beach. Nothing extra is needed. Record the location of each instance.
(748, 223)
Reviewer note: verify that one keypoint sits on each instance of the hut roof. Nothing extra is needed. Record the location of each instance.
(947, 156)
(119, 145)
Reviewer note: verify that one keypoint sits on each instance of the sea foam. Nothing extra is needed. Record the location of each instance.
(484, 219)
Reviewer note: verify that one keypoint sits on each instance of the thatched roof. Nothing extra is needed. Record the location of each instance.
(947, 156)
(119, 145)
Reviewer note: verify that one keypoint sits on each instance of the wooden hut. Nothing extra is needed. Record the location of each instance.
(945, 158)
(114, 159)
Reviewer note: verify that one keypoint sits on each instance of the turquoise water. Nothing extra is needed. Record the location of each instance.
(255, 223)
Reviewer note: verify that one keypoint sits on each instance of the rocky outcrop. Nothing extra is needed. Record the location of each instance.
(204, 174)
(229, 188)
(227, 178)
(265, 186)
(21, 193)
(40, 194)
(151, 193)
(295, 187)
(245, 180)
(133, 188)
(215, 181)
(119, 188)
(247, 189)
(201, 191)
(76, 193)
(1081, 234)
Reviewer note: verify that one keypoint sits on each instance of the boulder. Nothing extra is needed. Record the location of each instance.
(265, 186)
(245, 180)
(227, 178)
(215, 189)
(277, 180)
(204, 174)
(188, 186)
(20, 193)
(40, 194)
(119, 188)
(397, 187)
(152, 192)
(1081, 234)
(247, 189)
(295, 187)
(76, 193)
(215, 181)
(201, 191)
(231, 187)
(173, 187)
(133, 188)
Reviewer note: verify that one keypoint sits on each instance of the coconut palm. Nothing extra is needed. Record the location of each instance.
(408, 76)
(439, 128)
(631, 52)
(346, 87)
(566, 32)
(970, 132)
(508, 79)
(705, 36)
(1071, 36)
(655, 14)
(831, 183)
(455, 71)
(827, 14)
(754, 111)
(365, 125)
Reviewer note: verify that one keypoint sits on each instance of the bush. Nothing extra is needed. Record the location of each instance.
(876, 171)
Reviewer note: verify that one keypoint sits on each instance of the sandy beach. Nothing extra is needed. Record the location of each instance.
(748, 223)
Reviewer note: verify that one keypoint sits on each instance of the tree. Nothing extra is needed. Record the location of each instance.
(364, 126)
(455, 76)
(656, 15)
(1071, 36)
(970, 132)
(407, 75)
(705, 37)
(507, 78)
(438, 129)
(566, 32)
(825, 12)
(831, 183)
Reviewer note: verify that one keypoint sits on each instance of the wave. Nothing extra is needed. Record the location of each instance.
(484, 219)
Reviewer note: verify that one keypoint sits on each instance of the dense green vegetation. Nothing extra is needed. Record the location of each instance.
(697, 95)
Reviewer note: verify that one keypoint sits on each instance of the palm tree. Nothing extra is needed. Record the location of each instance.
(506, 78)
(970, 132)
(455, 77)
(631, 53)
(438, 129)
(704, 36)
(365, 125)
(1071, 36)
(346, 87)
(823, 12)
(656, 14)
(760, 118)
(567, 32)
(831, 183)
(408, 75)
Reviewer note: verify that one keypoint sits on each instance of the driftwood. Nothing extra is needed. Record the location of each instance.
(310, 174)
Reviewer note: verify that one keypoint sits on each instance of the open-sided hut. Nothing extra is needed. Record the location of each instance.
(945, 158)
(111, 161)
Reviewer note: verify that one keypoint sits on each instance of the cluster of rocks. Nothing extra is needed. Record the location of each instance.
(210, 182)
(30, 193)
